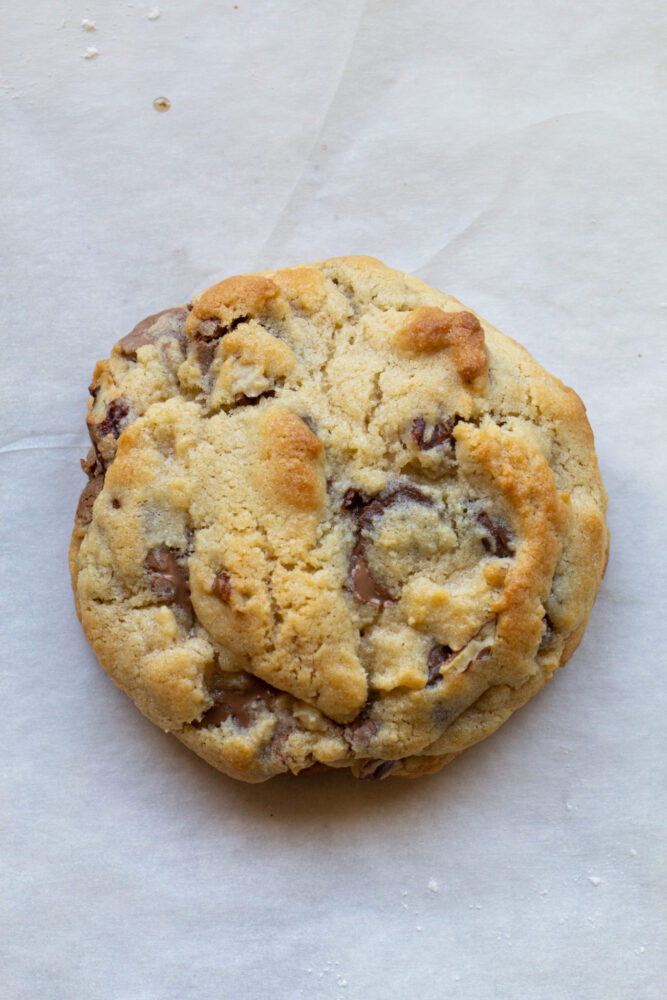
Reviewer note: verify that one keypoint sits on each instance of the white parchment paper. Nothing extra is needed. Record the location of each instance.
(510, 153)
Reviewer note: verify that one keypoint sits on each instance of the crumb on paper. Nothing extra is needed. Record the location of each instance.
(432, 886)
(162, 104)
(594, 880)
(419, 927)
(633, 852)
(91, 52)
(342, 983)
(88, 25)
(153, 14)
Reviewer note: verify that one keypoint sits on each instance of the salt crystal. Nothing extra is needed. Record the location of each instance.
(433, 886)
(153, 14)
(91, 52)
(594, 880)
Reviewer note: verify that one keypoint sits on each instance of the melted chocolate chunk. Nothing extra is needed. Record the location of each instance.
(222, 587)
(206, 337)
(441, 434)
(90, 492)
(498, 540)
(361, 730)
(144, 333)
(375, 769)
(236, 703)
(354, 501)
(436, 658)
(212, 329)
(205, 351)
(364, 586)
(365, 509)
(167, 580)
(114, 420)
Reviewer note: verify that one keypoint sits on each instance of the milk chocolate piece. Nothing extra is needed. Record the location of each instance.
(498, 540)
(166, 578)
(236, 703)
(149, 332)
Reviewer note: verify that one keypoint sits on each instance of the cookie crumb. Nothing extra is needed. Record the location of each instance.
(342, 983)
(162, 104)
(594, 880)
(91, 53)
(153, 14)
(88, 25)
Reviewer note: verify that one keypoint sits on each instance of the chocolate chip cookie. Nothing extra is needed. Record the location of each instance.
(333, 519)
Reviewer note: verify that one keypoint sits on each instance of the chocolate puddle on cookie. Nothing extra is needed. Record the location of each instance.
(236, 702)
(166, 579)
(365, 508)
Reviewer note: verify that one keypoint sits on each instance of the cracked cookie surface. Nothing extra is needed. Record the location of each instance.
(333, 519)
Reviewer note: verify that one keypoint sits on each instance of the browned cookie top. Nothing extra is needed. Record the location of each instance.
(333, 518)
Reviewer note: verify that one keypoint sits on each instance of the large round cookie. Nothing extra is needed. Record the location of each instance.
(333, 518)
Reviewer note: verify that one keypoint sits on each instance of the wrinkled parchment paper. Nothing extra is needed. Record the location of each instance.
(509, 153)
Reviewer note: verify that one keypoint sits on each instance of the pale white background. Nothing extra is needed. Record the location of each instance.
(508, 152)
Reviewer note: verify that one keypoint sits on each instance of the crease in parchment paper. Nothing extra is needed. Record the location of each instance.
(307, 163)
(45, 442)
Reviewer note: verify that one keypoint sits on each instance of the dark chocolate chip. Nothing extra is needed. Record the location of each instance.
(436, 658)
(90, 492)
(167, 580)
(236, 703)
(148, 331)
(375, 769)
(364, 586)
(441, 434)
(115, 504)
(222, 587)
(498, 540)
(114, 420)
